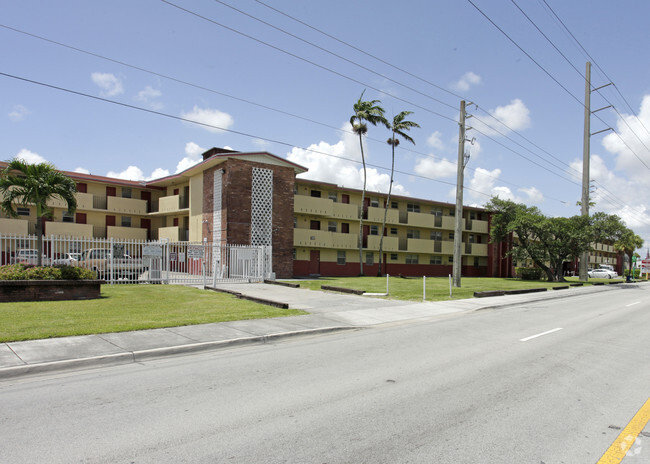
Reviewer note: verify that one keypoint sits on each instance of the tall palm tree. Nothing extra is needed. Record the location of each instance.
(398, 127)
(365, 112)
(23, 184)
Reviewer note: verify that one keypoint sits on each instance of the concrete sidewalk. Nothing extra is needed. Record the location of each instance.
(328, 312)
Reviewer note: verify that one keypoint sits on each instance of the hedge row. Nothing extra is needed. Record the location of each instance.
(31, 272)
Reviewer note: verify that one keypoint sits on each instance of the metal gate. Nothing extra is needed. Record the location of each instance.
(133, 261)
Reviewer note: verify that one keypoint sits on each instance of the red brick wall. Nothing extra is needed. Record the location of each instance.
(49, 290)
(236, 203)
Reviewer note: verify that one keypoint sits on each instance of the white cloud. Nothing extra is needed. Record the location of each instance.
(18, 113)
(149, 96)
(429, 167)
(193, 154)
(485, 182)
(514, 116)
(81, 170)
(434, 141)
(340, 171)
(261, 144)
(30, 157)
(466, 81)
(215, 119)
(136, 174)
(109, 84)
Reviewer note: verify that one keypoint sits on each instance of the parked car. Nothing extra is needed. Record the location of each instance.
(67, 259)
(602, 274)
(102, 263)
(28, 256)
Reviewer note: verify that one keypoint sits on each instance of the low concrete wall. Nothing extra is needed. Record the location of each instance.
(49, 290)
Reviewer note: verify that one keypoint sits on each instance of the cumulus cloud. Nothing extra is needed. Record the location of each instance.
(487, 182)
(435, 169)
(81, 170)
(340, 171)
(514, 116)
(261, 144)
(149, 96)
(193, 154)
(108, 83)
(30, 157)
(467, 80)
(434, 141)
(136, 174)
(215, 120)
(18, 113)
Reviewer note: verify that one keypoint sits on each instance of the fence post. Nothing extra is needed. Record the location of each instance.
(424, 288)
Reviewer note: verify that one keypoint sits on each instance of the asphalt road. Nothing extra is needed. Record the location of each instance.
(549, 382)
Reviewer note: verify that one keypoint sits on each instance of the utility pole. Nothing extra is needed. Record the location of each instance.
(458, 232)
(584, 258)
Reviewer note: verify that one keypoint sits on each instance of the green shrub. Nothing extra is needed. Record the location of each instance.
(529, 273)
(637, 272)
(31, 272)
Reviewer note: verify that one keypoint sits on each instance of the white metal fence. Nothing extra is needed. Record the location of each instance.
(136, 261)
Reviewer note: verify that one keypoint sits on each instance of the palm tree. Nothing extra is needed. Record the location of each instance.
(398, 127)
(365, 111)
(628, 243)
(35, 184)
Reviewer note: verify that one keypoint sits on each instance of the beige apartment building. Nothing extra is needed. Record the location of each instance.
(256, 199)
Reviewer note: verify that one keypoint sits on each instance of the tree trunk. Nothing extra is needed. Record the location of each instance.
(39, 240)
(363, 199)
(383, 224)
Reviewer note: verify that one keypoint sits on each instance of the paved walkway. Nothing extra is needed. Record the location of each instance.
(328, 312)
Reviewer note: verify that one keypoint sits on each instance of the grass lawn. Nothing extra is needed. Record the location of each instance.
(127, 307)
(437, 288)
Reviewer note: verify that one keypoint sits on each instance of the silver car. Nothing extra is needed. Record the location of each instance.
(602, 274)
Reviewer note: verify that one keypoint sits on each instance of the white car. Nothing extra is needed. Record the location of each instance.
(602, 274)
(67, 259)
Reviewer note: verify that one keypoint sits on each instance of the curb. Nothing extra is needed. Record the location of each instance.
(132, 357)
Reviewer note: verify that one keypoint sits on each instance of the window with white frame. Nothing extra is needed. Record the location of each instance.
(374, 230)
(436, 211)
(393, 256)
(393, 230)
(412, 233)
(436, 235)
(332, 196)
(374, 202)
(340, 257)
(126, 221)
(435, 259)
(67, 217)
(412, 259)
(331, 226)
(126, 192)
(22, 211)
(412, 207)
(370, 258)
(394, 205)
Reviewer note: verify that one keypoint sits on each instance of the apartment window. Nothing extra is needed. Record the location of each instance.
(436, 211)
(374, 202)
(315, 193)
(436, 235)
(370, 259)
(345, 198)
(472, 215)
(471, 238)
(340, 257)
(295, 222)
(412, 259)
(126, 192)
(394, 205)
(295, 254)
(393, 230)
(411, 233)
(345, 228)
(332, 196)
(451, 235)
(393, 256)
(452, 212)
(126, 221)
(22, 211)
(475, 261)
(450, 259)
(314, 225)
(435, 259)
(67, 217)
(412, 208)
(331, 226)
(374, 230)
(295, 189)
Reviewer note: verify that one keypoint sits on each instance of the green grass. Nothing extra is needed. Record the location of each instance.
(127, 307)
(437, 288)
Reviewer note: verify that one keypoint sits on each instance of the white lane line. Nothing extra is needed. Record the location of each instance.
(540, 334)
(632, 304)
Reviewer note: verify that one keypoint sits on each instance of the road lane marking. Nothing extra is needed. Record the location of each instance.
(632, 304)
(539, 335)
(628, 436)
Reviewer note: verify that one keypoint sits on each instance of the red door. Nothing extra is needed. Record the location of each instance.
(147, 197)
(111, 191)
(146, 224)
(82, 187)
(314, 262)
(80, 218)
(110, 221)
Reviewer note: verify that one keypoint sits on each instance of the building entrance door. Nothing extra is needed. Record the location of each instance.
(314, 262)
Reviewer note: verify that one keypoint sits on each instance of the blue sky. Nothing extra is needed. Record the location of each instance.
(249, 72)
